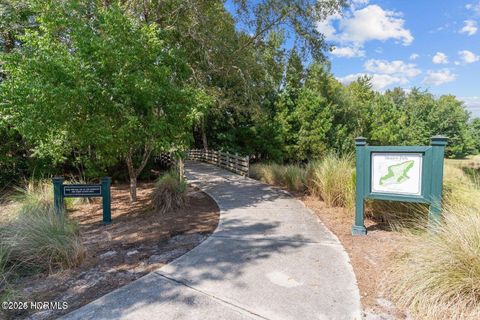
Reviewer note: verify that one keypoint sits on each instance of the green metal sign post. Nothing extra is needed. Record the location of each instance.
(399, 173)
(62, 191)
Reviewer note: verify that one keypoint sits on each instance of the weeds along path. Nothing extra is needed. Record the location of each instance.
(270, 258)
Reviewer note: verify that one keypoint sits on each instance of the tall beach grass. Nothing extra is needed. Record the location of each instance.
(170, 193)
(36, 238)
(437, 274)
(332, 178)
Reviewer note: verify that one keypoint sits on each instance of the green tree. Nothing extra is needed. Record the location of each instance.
(387, 121)
(475, 133)
(338, 101)
(93, 78)
(286, 105)
(427, 116)
(450, 118)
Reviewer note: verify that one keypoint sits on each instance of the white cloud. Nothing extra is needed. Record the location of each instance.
(474, 7)
(348, 52)
(468, 56)
(439, 77)
(469, 27)
(440, 58)
(368, 23)
(414, 56)
(325, 27)
(379, 81)
(473, 105)
(385, 73)
(395, 67)
(374, 23)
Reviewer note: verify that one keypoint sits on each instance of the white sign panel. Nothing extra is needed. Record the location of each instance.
(398, 173)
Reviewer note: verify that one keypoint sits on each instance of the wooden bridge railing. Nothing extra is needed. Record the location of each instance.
(167, 160)
(231, 162)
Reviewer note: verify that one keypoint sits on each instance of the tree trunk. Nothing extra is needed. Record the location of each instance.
(204, 135)
(9, 43)
(134, 173)
(133, 189)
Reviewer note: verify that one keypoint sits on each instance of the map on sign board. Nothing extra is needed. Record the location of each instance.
(398, 173)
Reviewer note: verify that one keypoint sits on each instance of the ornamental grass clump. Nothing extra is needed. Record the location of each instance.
(332, 179)
(270, 173)
(295, 178)
(39, 240)
(170, 193)
(5, 267)
(437, 274)
(36, 238)
(34, 194)
(38, 194)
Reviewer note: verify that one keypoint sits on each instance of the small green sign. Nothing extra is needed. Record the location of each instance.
(399, 173)
(61, 191)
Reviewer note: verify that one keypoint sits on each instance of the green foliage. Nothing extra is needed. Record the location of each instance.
(92, 83)
(170, 193)
(475, 132)
(96, 80)
(13, 163)
(387, 121)
(14, 19)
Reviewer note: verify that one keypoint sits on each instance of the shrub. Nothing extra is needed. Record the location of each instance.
(332, 179)
(437, 275)
(40, 240)
(170, 193)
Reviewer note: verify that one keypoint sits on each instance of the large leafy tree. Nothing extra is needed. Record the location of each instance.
(94, 79)
(237, 58)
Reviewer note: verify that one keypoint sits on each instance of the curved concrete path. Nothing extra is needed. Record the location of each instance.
(270, 258)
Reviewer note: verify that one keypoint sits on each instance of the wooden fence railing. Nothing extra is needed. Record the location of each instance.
(231, 162)
(167, 160)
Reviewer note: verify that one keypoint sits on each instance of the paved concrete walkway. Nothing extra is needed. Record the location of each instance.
(270, 258)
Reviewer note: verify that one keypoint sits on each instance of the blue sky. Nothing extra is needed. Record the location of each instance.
(431, 44)
(428, 44)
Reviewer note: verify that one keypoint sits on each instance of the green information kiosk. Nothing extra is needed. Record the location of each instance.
(399, 173)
